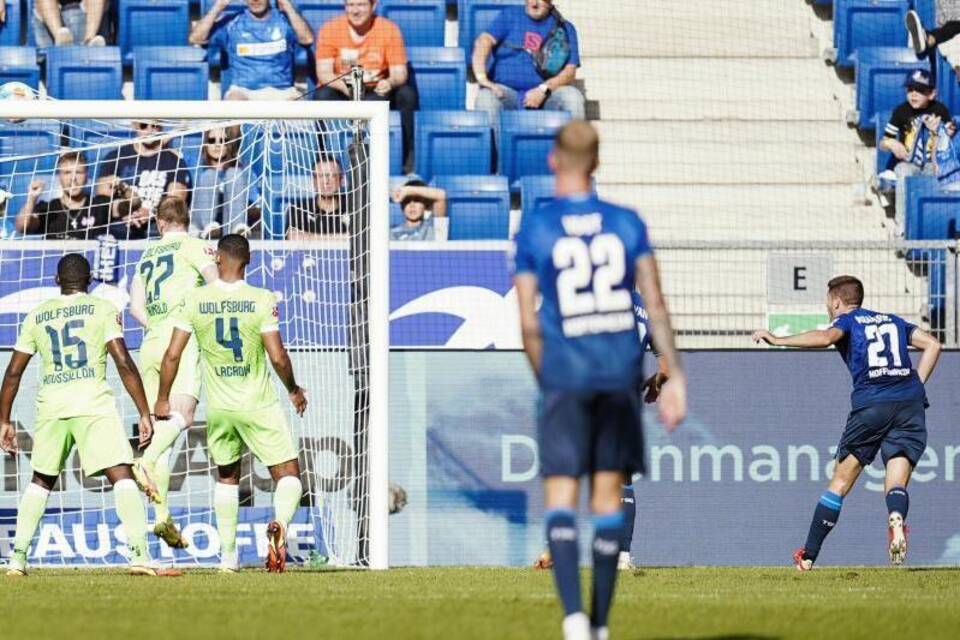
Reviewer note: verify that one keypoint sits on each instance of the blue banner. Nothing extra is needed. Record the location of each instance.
(735, 485)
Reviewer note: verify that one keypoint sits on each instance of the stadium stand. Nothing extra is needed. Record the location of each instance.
(931, 211)
(423, 22)
(865, 23)
(475, 15)
(452, 143)
(19, 64)
(524, 139)
(478, 206)
(440, 76)
(152, 23)
(170, 73)
(880, 72)
(84, 73)
(11, 31)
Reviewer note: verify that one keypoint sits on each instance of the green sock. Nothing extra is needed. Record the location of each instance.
(226, 504)
(129, 505)
(32, 505)
(286, 498)
(165, 433)
(161, 475)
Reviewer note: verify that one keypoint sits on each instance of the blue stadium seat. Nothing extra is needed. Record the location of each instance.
(884, 158)
(170, 73)
(475, 16)
(453, 143)
(948, 87)
(84, 73)
(440, 75)
(524, 140)
(867, 23)
(396, 143)
(478, 207)
(422, 22)
(534, 192)
(880, 75)
(931, 211)
(37, 138)
(83, 133)
(283, 191)
(151, 23)
(19, 64)
(927, 10)
(317, 12)
(10, 31)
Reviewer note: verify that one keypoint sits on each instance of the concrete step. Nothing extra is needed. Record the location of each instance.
(733, 131)
(692, 28)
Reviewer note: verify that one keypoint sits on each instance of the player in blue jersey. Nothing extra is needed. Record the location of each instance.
(888, 412)
(584, 256)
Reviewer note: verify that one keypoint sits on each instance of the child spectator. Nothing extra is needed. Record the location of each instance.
(424, 212)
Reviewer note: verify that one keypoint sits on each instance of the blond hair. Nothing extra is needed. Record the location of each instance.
(173, 210)
(576, 147)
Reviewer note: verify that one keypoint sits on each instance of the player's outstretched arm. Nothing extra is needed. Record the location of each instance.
(930, 347)
(8, 393)
(130, 376)
(138, 301)
(673, 399)
(527, 290)
(280, 360)
(168, 371)
(816, 339)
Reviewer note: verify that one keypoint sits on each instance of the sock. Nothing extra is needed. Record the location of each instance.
(898, 500)
(286, 499)
(825, 518)
(562, 539)
(628, 503)
(165, 433)
(32, 505)
(129, 504)
(607, 533)
(226, 504)
(161, 476)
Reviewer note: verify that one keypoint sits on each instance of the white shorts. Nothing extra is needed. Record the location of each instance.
(267, 93)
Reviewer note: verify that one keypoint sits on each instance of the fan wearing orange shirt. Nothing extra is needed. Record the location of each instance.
(362, 38)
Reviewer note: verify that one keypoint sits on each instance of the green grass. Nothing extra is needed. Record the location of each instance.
(480, 603)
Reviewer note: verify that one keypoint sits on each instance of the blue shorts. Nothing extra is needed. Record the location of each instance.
(583, 432)
(895, 429)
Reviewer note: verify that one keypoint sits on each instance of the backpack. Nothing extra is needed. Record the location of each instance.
(554, 51)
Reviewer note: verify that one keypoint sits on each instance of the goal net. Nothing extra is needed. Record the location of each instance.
(306, 186)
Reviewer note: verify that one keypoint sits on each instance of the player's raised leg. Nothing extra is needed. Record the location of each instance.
(827, 512)
(286, 499)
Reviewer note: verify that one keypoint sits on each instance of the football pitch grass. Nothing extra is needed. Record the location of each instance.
(480, 603)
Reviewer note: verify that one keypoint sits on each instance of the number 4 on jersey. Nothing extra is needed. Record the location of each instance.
(233, 341)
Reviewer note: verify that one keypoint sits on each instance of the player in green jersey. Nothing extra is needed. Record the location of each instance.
(169, 268)
(237, 329)
(75, 406)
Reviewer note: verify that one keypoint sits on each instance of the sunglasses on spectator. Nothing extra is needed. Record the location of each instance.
(147, 125)
(217, 141)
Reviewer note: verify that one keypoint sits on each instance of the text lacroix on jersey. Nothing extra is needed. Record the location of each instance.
(71, 333)
(228, 320)
(168, 268)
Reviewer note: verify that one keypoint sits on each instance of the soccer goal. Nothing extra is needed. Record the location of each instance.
(307, 182)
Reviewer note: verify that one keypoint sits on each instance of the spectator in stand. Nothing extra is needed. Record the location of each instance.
(63, 22)
(424, 212)
(75, 214)
(221, 196)
(261, 46)
(518, 39)
(136, 176)
(911, 135)
(924, 42)
(362, 38)
(326, 213)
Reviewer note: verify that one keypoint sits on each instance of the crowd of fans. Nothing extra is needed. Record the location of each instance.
(260, 45)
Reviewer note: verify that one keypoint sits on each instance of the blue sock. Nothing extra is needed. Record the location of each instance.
(628, 503)
(562, 539)
(825, 518)
(898, 500)
(608, 530)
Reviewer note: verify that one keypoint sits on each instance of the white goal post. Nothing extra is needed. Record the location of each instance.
(374, 336)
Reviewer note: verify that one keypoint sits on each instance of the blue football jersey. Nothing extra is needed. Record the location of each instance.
(261, 51)
(874, 348)
(584, 251)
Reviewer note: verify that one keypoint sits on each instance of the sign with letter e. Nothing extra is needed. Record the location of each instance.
(798, 279)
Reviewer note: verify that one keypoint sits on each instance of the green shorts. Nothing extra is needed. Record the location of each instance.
(264, 431)
(154, 346)
(101, 443)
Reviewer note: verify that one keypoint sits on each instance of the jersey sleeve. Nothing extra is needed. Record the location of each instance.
(112, 321)
(26, 339)
(844, 323)
(908, 329)
(269, 314)
(183, 317)
(642, 247)
(522, 259)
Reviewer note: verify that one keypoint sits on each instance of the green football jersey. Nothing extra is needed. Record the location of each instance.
(228, 320)
(168, 269)
(71, 334)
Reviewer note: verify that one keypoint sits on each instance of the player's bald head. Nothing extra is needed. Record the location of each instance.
(73, 272)
(847, 289)
(576, 148)
(235, 248)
